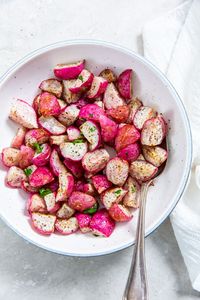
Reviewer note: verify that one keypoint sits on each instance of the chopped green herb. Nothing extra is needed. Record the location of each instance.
(43, 192)
(118, 192)
(28, 171)
(78, 141)
(37, 148)
(133, 190)
(80, 77)
(91, 210)
(92, 129)
(91, 115)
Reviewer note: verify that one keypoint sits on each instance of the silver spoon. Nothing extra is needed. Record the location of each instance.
(136, 287)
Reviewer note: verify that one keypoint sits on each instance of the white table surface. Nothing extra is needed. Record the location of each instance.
(26, 271)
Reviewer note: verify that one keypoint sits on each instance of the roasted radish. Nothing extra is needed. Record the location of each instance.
(142, 170)
(67, 94)
(14, 177)
(28, 188)
(56, 164)
(74, 150)
(44, 224)
(102, 224)
(126, 135)
(50, 201)
(42, 156)
(133, 105)
(69, 71)
(69, 115)
(131, 199)
(91, 132)
(143, 114)
(52, 86)
(84, 222)
(10, 157)
(109, 128)
(83, 82)
(95, 161)
(36, 204)
(120, 114)
(117, 171)
(155, 155)
(113, 195)
(75, 167)
(153, 131)
(124, 84)
(130, 152)
(81, 201)
(101, 183)
(109, 75)
(58, 139)
(26, 156)
(112, 98)
(49, 105)
(97, 88)
(120, 213)
(65, 212)
(73, 133)
(66, 186)
(52, 125)
(66, 226)
(18, 140)
(40, 177)
(91, 112)
(38, 136)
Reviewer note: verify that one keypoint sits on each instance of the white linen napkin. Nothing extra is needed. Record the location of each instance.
(172, 42)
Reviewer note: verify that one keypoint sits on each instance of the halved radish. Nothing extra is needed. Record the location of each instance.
(109, 75)
(117, 171)
(65, 212)
(84, 222)
(56, 164)
(131, 199)
(119, 114)
(18, 140)
(75, 167)
(153, 131)
(102, 224)
(36, 203)
(24, 114)
(73, 133)
(42, 158)
(69, 71)
(120, 213)
(91, 112)
(126, 135)
(91, 132)
(124, 84)
(58, 139)
(38, 136)
(133, 105)
(98, 87)
(130, 152)
(142, 170)
(28, 188)
(95, 161)
(66, 226)
(143, 114)
(155, 155)
(14, 177)
(83, 81)
(113, 195)
(66, 186)
(35, 104)
(112, 98)
(26, 156)
(81, 201)
(69, 115)
(40, 177)
(101, 183)
(67, 94)
(74, 150)
(49, 105)
(52, 86)
(10, 157)
(42, 223)
(50, 201)
(87, 188)
(52, 125)
(109, 128)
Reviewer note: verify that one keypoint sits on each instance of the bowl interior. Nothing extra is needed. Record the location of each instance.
(151, 87)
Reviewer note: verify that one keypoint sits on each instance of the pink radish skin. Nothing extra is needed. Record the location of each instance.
(24, 114)
(124, 84)
(113, 195)
(26, 156)
(101, 183)
(41, 159)
(51, 125)
(95, 161)
(28, 188)
(14, 177)
(81, 103)
(81, 201)
(119, 114)
(98, 87)
(75, 167)
(91, 132)
(68, 96)
(153, 131)
(74, 151)
(52, 86)
(73, 133)
(38, 136)
(143, 114)
(88, 188)
(102, 224)
(112, 98)
(69, 71)
(53, 186)
(84, 222)
(56, 164)
(18, 140)
(117, 171)
(109, 128)
(58, 139)
(42, 223)
(66, 227)
(69, 115)
(36, 103)
(142, 170)
(65, 212)
(126, 135)
(91, 112)
(133, 105)
(83, 82)
(155, 155)
(36, 203)
(131, 199)
(10, 157)
(49, 105)
(66, 186)
(130, 152)
(120, 213)
(50, 201)
(40, 177)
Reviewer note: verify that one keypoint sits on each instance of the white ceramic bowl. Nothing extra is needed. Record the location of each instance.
(150, 85)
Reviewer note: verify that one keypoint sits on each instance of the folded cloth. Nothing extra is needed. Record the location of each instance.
(172, 42)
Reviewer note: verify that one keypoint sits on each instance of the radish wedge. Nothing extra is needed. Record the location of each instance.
(81, 201)
(143, 114)
(113, 195)
(66, 226)
(65, 212)
(56, 164)
(119, 114)
(75, 167)
(131, 199)
(83, 82)
(66, 186)
(26, 156)
(36, 204)
(44, 224)
(50, 201)
(153, 131)
(117, 171)
(10, 157)
(18, 140)
(109, 128)
(74, 150)
(98, 87)
(28, 188)
(52, 125)
(120, 213)
(68, 96)
(112, 98)
(142, 170)
(73, 133)
(102, 224)
(126, 135)
(52, 86)
(133, 105)
(38, 136)
(58, 139)
(109, 75)
(130, 152)
(69, 71)
(42, 158)
(95, 161)
(101, 183)
(14, 177)
(84, 222)
(40, 177)
(124, 84)
(91, 112)
(69, 115)
(91, 132)
(49, 105)
(155, 155)
(36, 103)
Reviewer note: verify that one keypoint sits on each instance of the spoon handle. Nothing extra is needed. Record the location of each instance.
(136, 287)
